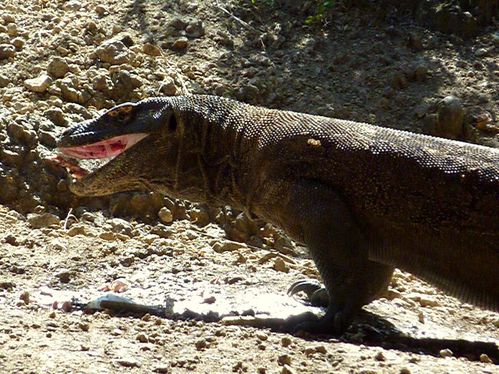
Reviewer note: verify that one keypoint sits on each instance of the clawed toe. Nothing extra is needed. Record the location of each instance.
(317, 295)
(309, 286)
(334, 322)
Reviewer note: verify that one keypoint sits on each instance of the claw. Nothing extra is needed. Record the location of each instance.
(308, 286)
(317, 295)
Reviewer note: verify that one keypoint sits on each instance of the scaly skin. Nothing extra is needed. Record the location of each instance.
(364, 199)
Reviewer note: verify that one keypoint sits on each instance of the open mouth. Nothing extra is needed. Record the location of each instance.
(104, 150)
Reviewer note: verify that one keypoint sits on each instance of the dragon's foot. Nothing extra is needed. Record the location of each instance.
(334, 322)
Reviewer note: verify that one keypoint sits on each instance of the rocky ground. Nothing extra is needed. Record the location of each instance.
(63, 61)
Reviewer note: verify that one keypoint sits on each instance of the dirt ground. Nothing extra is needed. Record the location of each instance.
(63, 61)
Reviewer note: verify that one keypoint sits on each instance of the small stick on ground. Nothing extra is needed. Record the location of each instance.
(66, 220)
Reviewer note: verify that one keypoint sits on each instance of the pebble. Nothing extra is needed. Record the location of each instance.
(56, 115)
(7, 51)
(423, 299)
(129, 363)
(209, 300)
(91, 26)
(64, 275)
(199, 215)
(84, 326)
(101, 10)
(113, 52)
(150, 238)
(392, 293)
(428, 301)
(179, 44)
(284, 359)
(25, 298)
(415, 42)
(120, 226)
(484, 121)
(486, 359)
(168, 87)
(12, 29)
(191, 234)
(39, 84)
(201, 344)
(151, 49)
(262, 336)
(162, 231)
(11, 158)
(124, 84)
(195, 29)
(107, 235)
(399, 80)
(11, 239)
(8, 188)
(58, 245)
(228, 246)
(69, 91)
(286, 341)
(420, 73)
(165, 215)
(101, 83)
(178, 23)
(162, 369)
(141, 337)
(446, 353)
(280, 265)
(37, 221)
(78, 229)
(482, 52)
(58, 67)
(450, 118)
(8, 18)
(286, 369)
(18, 43)
(127, 40)
(284, 244)
(4, 81)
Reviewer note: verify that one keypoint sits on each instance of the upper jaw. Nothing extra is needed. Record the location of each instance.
(143, 117)
(90, 132)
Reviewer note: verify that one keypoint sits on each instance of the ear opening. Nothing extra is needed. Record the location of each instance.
(172, 123)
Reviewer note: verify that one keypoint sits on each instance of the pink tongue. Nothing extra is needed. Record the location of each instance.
(105, 148)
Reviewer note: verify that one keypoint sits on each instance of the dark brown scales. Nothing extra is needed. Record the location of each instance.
(363, 198)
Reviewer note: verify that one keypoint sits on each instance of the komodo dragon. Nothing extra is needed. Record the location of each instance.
(364, 199)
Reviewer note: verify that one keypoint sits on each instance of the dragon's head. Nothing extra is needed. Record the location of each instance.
(143, 141)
